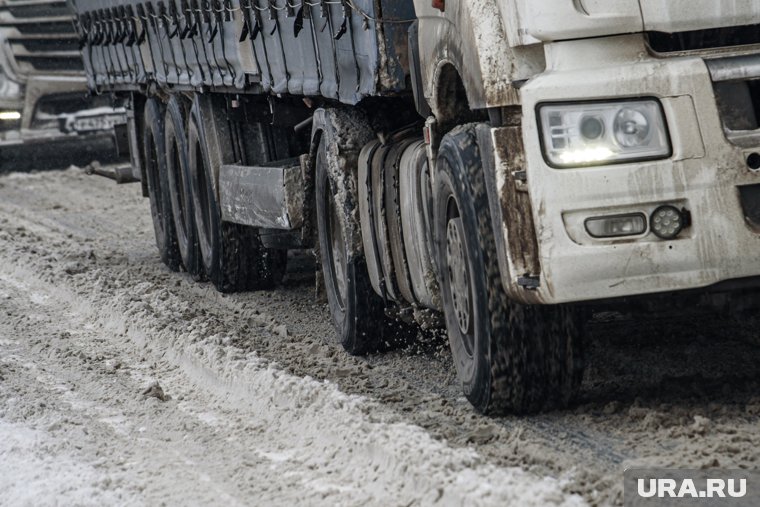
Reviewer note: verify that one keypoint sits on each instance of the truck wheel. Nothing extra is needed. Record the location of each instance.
(158, 187)
(358, 313)
(232, 255)
(180, 190)
(509, 357)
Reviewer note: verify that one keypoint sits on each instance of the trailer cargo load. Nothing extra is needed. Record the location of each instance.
(331, 49)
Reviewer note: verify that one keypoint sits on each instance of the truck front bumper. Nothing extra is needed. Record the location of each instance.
(703, 176)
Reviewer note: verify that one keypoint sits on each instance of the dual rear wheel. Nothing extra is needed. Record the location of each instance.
(181, 170)
(156, 173)
(509, 357)
(180, 188)
(232, 255)
(358, 313)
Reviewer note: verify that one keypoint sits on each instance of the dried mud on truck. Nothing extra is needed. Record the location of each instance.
(499, 168)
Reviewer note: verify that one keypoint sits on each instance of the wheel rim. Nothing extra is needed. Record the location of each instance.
(459, 277)
(337, 254)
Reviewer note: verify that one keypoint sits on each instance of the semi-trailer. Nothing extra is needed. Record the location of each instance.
(497, 165)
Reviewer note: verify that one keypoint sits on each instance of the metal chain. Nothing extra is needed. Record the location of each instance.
(288, 5)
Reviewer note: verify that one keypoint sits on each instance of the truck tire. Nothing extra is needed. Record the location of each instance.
(509, 357)
(154, 155)
(232, 255)
(180, 189)
(358, 313)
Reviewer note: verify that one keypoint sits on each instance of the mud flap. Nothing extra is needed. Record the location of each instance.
(511, 211)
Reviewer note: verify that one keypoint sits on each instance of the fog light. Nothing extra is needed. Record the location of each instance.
(617, 225)
(667, 222)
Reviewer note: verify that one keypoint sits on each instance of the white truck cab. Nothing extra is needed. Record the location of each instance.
(631, 113)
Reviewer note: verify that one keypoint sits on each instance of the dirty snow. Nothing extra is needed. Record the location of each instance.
(116, 389)
(261, 409)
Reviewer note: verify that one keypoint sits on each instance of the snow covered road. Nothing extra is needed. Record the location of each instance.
(256, 408)
(227, 427)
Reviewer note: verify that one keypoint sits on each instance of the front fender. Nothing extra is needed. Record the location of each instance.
(471, 36)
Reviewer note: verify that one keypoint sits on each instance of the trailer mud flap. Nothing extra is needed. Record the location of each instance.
(263, 196)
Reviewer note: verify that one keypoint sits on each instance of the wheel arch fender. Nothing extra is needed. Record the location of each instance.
(509, 209)
(471, 37)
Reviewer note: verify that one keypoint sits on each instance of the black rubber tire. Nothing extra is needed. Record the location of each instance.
(393, 221)
(180, 189)
(358, 313)
(511, 358)
(154, 158)
(232, 255)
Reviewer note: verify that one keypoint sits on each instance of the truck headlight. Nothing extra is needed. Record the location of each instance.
(586, 134)
(10, 115)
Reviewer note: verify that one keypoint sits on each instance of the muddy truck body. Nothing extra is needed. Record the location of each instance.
(493, 165)
(44, 98)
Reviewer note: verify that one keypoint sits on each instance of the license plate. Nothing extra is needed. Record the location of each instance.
(89, 124)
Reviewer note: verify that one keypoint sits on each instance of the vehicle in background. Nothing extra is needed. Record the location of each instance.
(45, 105)
(503, 165)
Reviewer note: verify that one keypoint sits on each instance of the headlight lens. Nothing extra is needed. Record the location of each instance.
(10, 115)
(577, 135)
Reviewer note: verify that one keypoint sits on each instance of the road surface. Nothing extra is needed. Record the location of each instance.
(124, 383)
